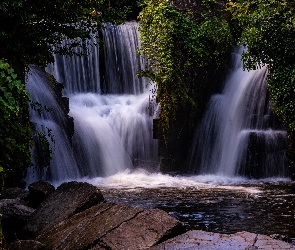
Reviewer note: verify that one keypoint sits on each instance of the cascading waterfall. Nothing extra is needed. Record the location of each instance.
(78, 74)
(238, 134)
(53, 118)
(121, 60)
(113, 129)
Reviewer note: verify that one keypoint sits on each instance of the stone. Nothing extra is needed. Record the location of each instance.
(26, 245)
(15, 214)
(197, 239)
(39, 191)
(268, 243)
(14, 193)
(68, 199)
(84, 230)
(143, 231)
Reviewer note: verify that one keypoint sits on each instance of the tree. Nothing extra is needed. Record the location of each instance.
(30, 30)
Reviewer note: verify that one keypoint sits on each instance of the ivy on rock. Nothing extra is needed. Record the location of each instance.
(183, 52)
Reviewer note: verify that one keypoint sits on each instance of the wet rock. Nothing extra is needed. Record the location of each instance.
(263, 148)
(26, 245)
(206, 240)
(110, 226)
(266, 242)
(14, 193)
(15, 214)
(84, 230)
(68, 199)
(39, 191)
(144, 230)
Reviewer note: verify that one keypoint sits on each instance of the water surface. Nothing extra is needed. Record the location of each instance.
(208, 202)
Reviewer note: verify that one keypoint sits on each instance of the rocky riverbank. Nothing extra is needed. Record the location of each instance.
(76, 216)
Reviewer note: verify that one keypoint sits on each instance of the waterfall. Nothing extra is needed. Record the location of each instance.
(112, 117)
(53, 118)
(121, 60)
(238, 134)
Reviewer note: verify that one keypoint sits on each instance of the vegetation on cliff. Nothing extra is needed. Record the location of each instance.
(185, 49)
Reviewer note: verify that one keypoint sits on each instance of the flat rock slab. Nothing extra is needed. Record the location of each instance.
(85, 229)
(26, 245)
(143, 231)
(266, 242)
(213, 241)
(111, 226)
(68, 199)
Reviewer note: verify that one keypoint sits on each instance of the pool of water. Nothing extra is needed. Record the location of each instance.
(211, 203)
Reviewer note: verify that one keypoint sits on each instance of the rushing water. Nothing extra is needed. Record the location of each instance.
(238, 134)
(113, 148)
(113, 126)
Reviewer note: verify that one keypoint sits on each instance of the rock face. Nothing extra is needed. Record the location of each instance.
(39, 191)
(26, 245)
(14, 193)
(112, 227)
(15, 215)
(145, 230)
(262, 150)
(205, 240)
(68, 199)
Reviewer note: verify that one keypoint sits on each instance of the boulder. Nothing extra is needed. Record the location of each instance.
(15, 215)
(68, 199)
(85, 229)
(110, 226)
(14, 193)
(39, 191)
(26, 245)
(197, 239)
(145, 230)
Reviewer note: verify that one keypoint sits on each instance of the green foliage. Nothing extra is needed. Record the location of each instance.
(15, 129)
(29, 30)
(268, 30)
(182, 53)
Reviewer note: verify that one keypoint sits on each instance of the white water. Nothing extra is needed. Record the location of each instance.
(113, 122)
(40, 90)
(130, 180)
(121, 60)
(236, 117)
(113, 129)
(78, 73)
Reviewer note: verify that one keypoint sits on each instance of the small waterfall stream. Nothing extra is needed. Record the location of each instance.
(113, 129)
(238, 134)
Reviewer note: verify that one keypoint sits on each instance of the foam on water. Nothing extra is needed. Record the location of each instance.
(142, 179)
